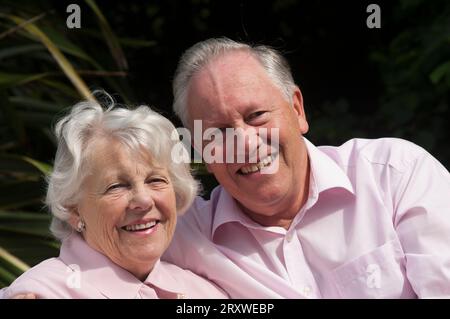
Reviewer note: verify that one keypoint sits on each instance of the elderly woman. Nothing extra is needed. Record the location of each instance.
(114, 194)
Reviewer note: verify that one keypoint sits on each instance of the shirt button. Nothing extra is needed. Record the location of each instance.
(289, 237)
(181, 296)
(307, 291)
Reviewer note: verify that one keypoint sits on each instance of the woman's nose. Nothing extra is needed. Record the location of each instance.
(141, 199)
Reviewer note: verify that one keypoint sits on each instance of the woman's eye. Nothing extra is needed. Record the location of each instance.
(115, 187)
(157, 180)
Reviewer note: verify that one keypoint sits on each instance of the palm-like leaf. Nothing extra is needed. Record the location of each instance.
(40, 74)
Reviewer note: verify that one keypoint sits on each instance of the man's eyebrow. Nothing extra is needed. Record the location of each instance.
(156, 170)
(214, 123)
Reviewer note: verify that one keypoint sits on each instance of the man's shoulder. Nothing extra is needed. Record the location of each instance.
(54, 266)
(196, 286)
(202, 212)
(395, 152)
(44, 280)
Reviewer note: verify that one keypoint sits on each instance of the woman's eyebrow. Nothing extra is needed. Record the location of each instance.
(157, 170)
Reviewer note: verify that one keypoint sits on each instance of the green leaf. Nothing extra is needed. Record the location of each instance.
(22, 164)
(23, 216)
(13, 261)
(111, 39)
(14, 79)
(61, 87)
(34, 103)
(37, 119)
(68, 47)
(21, 193)
(124, 41)
(59, 57)
(439, 72)
(33, 228)
(15, 123)
(20, 49)
(30, 249)
(6, 277)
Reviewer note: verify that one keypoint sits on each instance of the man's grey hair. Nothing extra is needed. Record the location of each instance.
(200, 54)
(136, 129)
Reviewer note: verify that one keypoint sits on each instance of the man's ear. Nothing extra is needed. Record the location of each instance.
(297, 104)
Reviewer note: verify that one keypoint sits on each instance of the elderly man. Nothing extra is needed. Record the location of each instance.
(367, 219)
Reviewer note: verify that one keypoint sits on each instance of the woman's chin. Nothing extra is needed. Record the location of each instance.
(145, 246)
(144, 255)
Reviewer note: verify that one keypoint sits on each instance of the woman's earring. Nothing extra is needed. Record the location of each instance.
(81, 226)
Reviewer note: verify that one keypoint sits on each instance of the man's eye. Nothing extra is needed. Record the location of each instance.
(255, 115)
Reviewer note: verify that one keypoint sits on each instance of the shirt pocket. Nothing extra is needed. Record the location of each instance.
(377, 274)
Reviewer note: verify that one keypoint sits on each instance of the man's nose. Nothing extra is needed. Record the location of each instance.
(246, 142)
(141, 199)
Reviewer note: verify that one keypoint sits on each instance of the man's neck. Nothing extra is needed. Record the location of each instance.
(288, 210)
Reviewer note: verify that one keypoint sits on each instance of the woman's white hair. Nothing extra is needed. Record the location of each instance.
(200, 54)
(135, 128)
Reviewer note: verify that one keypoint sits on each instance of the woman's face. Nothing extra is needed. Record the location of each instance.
(128, 205)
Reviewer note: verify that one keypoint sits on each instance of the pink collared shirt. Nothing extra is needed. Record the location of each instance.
(376, 225)
(82, 272)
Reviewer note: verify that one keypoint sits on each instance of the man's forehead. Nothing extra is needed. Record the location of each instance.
(231, 62)
(236, 70)
(228, 85)
(234, 58)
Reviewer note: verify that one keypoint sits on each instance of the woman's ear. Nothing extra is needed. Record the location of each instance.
(74, 216)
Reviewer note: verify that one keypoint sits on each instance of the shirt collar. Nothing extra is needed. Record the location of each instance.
(110, 279)
(324, 174)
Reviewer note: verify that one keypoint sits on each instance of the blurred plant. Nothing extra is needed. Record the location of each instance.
(44, 67)
(415, 71)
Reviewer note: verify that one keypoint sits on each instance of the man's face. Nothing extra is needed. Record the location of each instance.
(234, 91)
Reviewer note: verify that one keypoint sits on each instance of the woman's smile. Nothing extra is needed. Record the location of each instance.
(142, 227)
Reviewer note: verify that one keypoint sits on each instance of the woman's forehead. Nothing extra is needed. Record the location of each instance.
(110, 154)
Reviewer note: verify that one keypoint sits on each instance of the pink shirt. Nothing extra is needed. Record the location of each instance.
(82, 272)
(376, 225)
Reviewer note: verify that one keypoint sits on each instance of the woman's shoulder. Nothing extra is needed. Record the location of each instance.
(195, 286)
(51, 278)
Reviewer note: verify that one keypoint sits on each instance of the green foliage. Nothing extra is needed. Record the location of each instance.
(41, 72)
(415, 69)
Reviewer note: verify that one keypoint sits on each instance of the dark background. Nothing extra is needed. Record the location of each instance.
(356, 81)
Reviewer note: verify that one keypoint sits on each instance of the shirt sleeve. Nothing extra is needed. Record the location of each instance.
(2, 293)
(25, 287)
(422, 222)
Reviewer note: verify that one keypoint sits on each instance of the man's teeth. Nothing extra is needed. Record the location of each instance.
(258, 166)
(140, 226)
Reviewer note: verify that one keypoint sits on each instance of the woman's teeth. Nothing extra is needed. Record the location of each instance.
(137, 227)
(258, 166)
